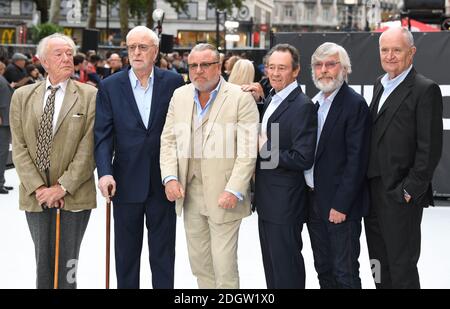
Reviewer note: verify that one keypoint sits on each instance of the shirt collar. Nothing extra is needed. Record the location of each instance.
(135, 81)
(386, 82)
(320, 97)
(213, 93)
(282, 94)
(62, 85)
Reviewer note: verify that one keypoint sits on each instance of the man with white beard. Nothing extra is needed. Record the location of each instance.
(338, 193)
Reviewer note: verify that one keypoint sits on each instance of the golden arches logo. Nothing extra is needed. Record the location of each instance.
(8, 35)
(68, 32)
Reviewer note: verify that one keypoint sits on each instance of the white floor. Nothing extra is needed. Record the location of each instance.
(17, 264)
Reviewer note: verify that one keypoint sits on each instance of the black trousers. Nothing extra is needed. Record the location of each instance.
(160, 219)
(5, 138)
(393, 239)
(336, 249)
(42, 226)
(281, 246)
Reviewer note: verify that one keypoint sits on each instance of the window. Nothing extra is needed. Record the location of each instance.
(26, 7)
(210, 12)
(289, 11)
(190, 12)
(309, 13)
(5, 7)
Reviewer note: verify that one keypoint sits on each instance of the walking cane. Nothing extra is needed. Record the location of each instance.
(108, 232)
(58, 230)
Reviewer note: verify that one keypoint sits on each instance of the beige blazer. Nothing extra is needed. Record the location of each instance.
(72, 155)
(229, 147)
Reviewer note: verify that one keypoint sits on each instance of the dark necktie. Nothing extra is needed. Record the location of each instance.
(317, 105)
(45, 132)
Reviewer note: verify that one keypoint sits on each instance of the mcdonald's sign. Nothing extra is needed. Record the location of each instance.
(7, 35)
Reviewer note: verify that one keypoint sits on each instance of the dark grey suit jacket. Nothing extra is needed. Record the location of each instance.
(5, 100)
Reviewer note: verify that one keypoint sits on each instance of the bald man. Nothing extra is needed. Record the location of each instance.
(406, 145)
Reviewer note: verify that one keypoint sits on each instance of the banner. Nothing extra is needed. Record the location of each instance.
(431, 60)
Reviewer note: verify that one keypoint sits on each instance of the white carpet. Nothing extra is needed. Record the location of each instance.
(17, 263)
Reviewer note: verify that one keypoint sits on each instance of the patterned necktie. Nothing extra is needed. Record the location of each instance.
(45, 133)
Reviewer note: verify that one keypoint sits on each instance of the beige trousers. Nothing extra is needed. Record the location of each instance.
(212, 247)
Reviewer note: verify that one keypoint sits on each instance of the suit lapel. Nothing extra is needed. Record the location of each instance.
(393, 102)
(70, 98)
(38, 105)
(281, 108)
(332, 117)
(375, 98)
(215, 108)
(128, 96)
(158, 82)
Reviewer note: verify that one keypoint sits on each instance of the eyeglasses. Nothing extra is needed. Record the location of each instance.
(204, 66)
(142, 47)
(328, 65)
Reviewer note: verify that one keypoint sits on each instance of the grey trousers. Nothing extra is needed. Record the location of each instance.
(43, 228)
(5, 138)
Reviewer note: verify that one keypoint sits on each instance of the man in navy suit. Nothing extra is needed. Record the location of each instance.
(130, 115)
(337, 186)
(287, 145)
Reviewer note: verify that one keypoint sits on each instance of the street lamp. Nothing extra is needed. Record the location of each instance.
(350, 4)
(158, 17)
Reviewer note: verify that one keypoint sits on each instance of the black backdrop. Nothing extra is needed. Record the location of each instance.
(432, 60)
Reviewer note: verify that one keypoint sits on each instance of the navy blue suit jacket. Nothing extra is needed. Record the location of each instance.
(342, 157)
(280, 195)
(124, 147)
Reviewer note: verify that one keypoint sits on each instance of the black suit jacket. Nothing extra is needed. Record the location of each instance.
(406, 142)
(342, 157)
(280, 191)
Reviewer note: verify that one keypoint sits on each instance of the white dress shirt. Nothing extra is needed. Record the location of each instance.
(277, 99)
(322, 113)
(59, 98)
(389, 85)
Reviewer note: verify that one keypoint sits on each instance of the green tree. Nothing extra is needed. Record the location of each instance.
(40, 31)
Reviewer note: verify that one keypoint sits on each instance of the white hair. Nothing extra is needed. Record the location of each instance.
(42, 47)
(329, 49)
(143, 29)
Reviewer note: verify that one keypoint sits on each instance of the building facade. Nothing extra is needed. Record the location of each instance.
(332, 15)
(197, 24)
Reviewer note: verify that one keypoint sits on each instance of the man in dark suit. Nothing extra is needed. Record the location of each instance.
(287, 143)
(406, 145)
(5, 134)
(337, 185)
(130, 116)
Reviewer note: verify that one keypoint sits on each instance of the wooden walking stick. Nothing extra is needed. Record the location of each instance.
(108, 235)
(58, 231)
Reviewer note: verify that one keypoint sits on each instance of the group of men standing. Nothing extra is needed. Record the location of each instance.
(162, 148)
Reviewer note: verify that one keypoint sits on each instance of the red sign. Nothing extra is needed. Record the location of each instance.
(263, 27)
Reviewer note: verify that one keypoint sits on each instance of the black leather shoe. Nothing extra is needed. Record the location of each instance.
(8, 188)
(3, 191)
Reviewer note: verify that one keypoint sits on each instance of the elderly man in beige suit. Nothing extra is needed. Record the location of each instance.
(52, 135)
(208, 156)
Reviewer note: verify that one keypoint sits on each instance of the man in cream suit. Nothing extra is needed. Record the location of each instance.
(208, 156)
(52, 135)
